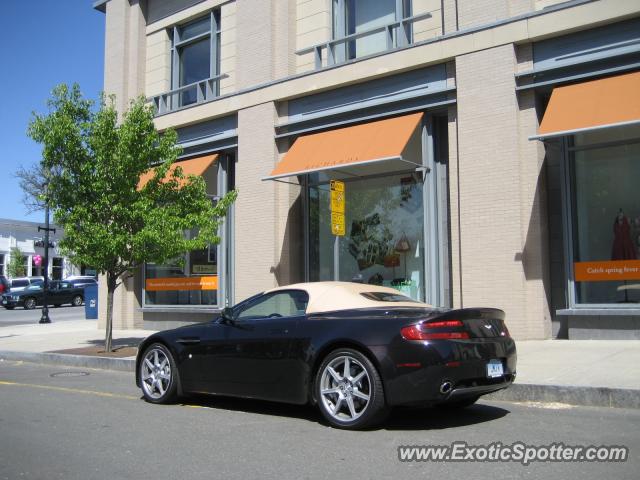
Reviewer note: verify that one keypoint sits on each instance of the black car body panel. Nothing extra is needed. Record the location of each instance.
(277, 358)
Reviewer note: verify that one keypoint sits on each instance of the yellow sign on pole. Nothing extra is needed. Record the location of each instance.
(337, 208)
(337, 201)
(337, 224)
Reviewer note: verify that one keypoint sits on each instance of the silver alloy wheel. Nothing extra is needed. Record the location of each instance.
(156, 373)
(77, 301)
(30, 303)
(345, 388)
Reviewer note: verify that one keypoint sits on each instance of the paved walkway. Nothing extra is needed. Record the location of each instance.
(587, 372)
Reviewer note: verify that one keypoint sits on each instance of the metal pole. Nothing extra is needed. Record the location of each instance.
(45, 309)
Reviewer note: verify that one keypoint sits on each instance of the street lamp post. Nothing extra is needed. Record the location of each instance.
(45, 308)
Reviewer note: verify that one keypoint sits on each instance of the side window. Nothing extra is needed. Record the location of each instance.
(277, 304)
(20, 283)
(64, 285)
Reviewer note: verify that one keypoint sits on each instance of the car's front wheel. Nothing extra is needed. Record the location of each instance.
(29, 303)
(349, 390)
(158, 374)
(76, 301)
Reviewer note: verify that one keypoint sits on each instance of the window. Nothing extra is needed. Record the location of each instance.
(195, 58)
(57, 268)
(192, 279)
(36, 270)
(357, 16)
(1, 263)
(605, 209)
(274, 305)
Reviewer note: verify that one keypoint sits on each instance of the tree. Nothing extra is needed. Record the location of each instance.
(33, 182)
(112, 222)
(16, 263)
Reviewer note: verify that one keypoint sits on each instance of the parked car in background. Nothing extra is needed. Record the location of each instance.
(20, 283)
(5, 285)
(60, 293)
(81, 282)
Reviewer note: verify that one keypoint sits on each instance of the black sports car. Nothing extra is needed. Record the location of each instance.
(59, 293)
(353, 349)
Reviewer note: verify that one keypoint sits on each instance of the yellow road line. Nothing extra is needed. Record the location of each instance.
(84, 392)
(70, 390)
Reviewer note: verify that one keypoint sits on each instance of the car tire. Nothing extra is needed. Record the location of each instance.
(455, 405)
(76, 301)
(9, 308)
(349, 390)
(158, 374)
(29, 303)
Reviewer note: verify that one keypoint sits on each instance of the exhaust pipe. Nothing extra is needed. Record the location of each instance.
(445, 387)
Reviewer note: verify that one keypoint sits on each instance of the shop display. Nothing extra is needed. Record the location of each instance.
(623, 248)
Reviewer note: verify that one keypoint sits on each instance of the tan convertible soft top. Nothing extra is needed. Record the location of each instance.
(332, 296)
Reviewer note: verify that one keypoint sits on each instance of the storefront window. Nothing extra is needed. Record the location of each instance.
(384, 242)
(606, 217)
(191, 279)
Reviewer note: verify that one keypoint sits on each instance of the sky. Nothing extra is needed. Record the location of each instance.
(45, 43)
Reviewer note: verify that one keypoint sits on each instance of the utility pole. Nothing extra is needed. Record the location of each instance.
(45, 307)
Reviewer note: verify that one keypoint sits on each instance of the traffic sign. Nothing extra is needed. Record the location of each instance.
(337, 224)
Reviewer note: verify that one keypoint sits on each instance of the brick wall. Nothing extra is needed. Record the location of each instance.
(501, 194)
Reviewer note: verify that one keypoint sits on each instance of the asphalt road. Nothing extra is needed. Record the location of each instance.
(97, 427)
(20, 316)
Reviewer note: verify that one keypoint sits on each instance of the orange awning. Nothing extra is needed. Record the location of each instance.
(348, 147)
(194, 166)
(592, 105)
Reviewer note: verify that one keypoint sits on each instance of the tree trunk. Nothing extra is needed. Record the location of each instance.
(111, 288)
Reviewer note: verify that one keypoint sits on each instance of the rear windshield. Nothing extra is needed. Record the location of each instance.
(387, 297)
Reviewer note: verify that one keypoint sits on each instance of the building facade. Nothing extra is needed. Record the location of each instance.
(485, 151)
(25, 236)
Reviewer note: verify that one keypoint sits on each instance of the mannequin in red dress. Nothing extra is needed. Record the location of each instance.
(623, 248)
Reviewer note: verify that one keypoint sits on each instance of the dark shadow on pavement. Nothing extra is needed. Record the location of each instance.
(399, 419)
(439, 419)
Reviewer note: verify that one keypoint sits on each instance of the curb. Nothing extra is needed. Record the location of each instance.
(518, 392)
(104, 363)
(572, 395)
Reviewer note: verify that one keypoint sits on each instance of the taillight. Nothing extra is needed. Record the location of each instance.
(505, 331)
(427, 331)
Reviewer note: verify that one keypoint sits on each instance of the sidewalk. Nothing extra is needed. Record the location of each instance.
(578, 372)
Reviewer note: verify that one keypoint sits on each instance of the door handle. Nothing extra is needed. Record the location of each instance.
(188, 341)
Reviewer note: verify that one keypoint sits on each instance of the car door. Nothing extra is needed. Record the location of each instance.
(60, 293)
(251, 356)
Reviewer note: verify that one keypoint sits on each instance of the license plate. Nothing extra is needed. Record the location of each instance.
(494, 369)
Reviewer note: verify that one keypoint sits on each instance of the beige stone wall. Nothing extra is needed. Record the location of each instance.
(125, 51)
(265, 223)
(158, 71)
(472, 13)
(125, 68)
(500, 203)
(313, 26)
(430, 27)
(228, 47)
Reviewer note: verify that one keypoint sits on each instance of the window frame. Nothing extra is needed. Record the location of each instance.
(569, 220)
(339, 28)
(177, 44)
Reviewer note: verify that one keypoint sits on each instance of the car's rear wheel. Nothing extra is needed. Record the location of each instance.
(29, 303)
(349, 390)
(76, 301)
(158, 374)
(9, 308)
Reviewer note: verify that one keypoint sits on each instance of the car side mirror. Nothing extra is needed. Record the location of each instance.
(227, 315)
